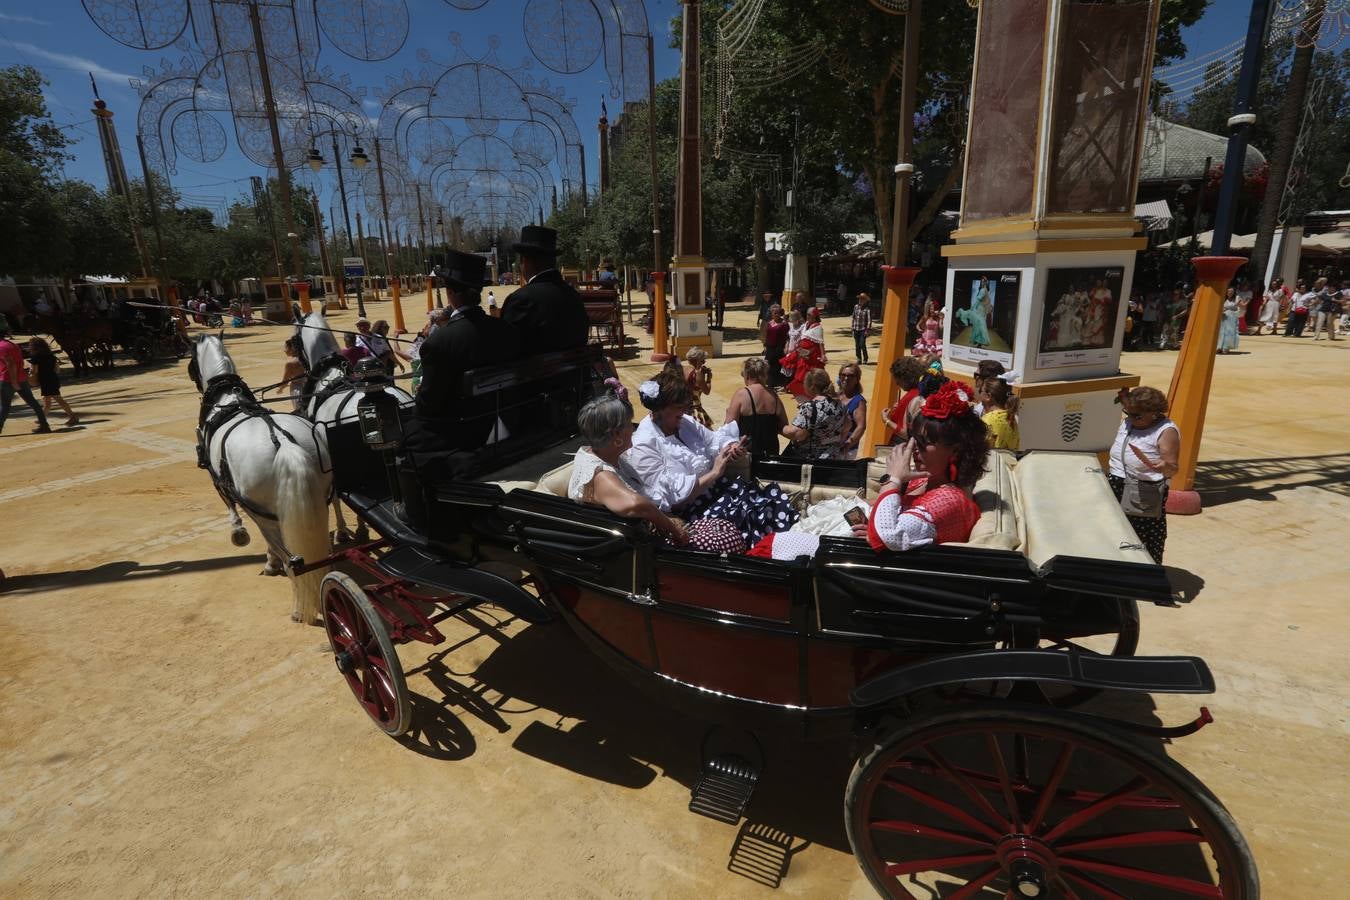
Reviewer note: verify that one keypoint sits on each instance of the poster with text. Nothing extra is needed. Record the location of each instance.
(1078, 323)
(984, 316)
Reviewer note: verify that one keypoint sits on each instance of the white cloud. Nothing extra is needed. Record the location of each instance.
(22, 20)
(71, 61)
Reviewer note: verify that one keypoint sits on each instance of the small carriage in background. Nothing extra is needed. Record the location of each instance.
(953, 667)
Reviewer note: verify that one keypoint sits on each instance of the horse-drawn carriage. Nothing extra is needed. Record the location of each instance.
(952, 666)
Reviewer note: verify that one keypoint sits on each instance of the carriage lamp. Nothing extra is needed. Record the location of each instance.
(377, 411)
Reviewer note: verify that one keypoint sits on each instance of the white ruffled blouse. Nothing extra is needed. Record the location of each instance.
(584, 467)
(670, 465)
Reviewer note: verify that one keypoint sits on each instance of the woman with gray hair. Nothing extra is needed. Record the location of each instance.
(599, 474)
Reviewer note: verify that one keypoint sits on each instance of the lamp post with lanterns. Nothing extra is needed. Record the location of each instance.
(359, 159)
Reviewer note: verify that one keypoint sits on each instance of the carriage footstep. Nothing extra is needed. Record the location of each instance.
(724, 790)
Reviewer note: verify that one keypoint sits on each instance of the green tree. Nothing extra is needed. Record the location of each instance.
(95, 236)
(32, 150)
(849, 102)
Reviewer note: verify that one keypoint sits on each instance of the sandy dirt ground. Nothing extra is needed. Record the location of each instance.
(165, 730)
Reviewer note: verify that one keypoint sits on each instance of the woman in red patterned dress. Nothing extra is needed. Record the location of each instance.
(927, 495)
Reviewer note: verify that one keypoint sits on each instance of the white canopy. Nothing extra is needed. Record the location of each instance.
(1157, 215)
(1206, 239)
(1333, 242)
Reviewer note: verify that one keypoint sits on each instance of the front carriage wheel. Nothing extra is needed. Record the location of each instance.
(364, 654)
(1001, 800)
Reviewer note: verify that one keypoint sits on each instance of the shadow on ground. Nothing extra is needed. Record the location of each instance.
(124, 570)
(1231, 480)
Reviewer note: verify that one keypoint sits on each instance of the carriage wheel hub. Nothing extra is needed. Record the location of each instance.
(345, 664)
(1027, 862)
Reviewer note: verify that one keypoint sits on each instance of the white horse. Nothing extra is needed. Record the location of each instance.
(330, 394)
(268, 462)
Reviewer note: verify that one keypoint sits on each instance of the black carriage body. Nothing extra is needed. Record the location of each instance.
(818, 647)
(762, 643)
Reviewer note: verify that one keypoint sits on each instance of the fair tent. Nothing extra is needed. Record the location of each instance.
(1206, 238)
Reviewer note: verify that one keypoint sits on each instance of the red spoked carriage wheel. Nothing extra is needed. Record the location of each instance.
(1000, 800)
(364, 654)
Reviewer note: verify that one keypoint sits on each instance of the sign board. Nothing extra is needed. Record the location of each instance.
(353, 266)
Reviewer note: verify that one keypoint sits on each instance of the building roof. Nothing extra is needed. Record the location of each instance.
(1175, 152)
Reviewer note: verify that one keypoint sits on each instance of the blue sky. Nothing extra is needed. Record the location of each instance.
(61, 40)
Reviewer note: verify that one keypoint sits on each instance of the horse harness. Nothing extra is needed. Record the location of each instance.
(216, 415)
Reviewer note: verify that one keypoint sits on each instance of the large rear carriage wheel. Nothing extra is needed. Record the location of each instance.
(1011, 801)
(364, 654)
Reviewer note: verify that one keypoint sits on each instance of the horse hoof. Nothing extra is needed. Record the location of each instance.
(239, 537)
(270, 570)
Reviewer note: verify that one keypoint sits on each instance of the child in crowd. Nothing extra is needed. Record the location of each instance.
(45, 369)
(700, 384)
(1000, 414)
(351, 350)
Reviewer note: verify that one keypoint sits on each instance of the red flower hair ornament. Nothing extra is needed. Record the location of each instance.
(952, 399)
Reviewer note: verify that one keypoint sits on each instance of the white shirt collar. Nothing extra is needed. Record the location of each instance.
(538, 274)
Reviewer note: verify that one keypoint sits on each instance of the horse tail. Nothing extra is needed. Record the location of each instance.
(302, 512)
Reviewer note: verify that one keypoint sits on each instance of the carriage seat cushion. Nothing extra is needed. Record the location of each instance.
(509, 486)
(1069, 510)
(555, 482)
(996, 496)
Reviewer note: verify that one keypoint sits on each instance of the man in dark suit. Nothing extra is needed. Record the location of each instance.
(548, 311)
(445, 426)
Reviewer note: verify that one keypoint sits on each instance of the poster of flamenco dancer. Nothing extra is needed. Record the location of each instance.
(984, 316)
(1078, 327)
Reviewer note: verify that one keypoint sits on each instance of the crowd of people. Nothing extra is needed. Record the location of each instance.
(1157, 319)
(676, 473)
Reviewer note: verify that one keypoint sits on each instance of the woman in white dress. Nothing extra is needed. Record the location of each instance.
(601, 477)
(1271, 301)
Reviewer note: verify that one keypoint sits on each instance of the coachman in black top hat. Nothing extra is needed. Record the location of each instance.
(445, 425)
(548, 311)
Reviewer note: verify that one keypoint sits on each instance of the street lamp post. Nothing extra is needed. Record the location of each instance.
(358, 159)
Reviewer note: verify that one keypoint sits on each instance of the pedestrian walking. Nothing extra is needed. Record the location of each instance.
(1271, 302)
(765, 306)
(1228, 326)
(1152, 316)
(1328, 307)
(14, 380)
(45, 367)
(862, 326)
(1298, 310)
(1143, 457)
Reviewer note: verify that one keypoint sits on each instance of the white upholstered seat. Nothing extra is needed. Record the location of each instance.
(1069, 510)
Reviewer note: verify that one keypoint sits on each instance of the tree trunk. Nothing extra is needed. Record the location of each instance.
(1291, 111)
(757, 235)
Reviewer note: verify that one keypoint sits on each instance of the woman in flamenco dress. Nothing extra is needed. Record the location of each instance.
(810, 354)
(929, 343)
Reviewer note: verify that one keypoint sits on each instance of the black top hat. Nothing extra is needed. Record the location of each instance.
(465, 270)
(537, 240)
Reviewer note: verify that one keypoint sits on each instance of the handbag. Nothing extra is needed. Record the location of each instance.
(1142, 499)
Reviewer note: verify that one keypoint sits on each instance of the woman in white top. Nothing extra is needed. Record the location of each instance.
(1271, 301)
(600, 476)
(682, 464)
(678, 459)
(1147, 448)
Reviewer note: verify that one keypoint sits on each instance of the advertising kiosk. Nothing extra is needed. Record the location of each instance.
(1043, 263)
